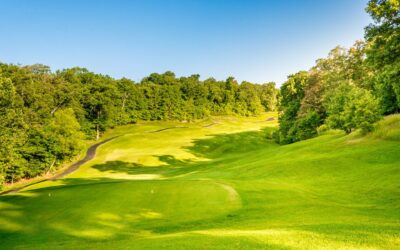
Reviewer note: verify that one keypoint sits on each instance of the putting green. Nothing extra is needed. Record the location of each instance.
(217, 184)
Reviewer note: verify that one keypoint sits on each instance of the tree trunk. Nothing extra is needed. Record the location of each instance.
(124, 101)
(98, 126)
(52, 164)
(97, 132)
(54, 110)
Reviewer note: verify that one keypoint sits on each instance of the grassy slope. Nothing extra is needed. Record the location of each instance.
(182, 188)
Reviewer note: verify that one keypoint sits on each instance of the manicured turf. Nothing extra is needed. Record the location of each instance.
(224, 186)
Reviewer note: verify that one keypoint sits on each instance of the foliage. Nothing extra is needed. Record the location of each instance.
(342, 89)
(232, 190)
(292, 92)
(383, 53)
(44, 115)
(349, 107)
(11, 132)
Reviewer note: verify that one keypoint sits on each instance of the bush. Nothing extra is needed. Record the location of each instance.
(349, 107)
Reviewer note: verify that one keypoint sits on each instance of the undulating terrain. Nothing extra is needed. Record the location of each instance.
(217, 184)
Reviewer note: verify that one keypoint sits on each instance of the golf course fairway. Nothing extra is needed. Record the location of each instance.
(220, 183)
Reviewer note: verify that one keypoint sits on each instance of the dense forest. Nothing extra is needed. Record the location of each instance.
(351, 88)
(45, 116)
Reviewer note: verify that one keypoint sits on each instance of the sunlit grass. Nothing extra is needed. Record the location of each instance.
(224, 186)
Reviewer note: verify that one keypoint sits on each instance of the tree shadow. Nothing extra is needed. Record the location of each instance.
(214, 149)
(62, 212)
(220, 145)
(84, 210)
(101, 209)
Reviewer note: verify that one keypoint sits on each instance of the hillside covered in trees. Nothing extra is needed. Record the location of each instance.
(351, 88)
(91, 161)
(45, 116)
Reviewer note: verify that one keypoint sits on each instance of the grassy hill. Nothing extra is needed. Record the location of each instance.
(218, 184)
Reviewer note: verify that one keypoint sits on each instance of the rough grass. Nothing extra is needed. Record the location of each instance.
(388, 128)
(218, 187)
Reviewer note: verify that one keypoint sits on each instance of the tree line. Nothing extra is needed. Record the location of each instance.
(45, 116)
(351, 88)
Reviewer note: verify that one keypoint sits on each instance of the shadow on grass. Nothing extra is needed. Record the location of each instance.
(103, 209)
(217, 149)
(81, 211)
(224, 144)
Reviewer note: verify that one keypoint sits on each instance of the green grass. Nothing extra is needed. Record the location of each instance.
(220, 187)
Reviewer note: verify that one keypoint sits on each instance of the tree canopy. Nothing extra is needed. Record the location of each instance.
(45, 115)
(350, 88)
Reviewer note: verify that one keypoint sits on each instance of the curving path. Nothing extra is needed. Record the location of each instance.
(163, 129)
(210, 125)
(90, 153)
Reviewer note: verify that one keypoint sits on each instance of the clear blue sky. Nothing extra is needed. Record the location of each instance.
(258, 41)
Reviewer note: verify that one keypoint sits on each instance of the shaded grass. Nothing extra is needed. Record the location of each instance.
(221, 187)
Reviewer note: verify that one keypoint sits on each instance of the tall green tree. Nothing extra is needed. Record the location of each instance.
(383, 52)
(99, 102)
(350, 107)
(44, 114)
(12, 133)
(291, 95)
(268, 96)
